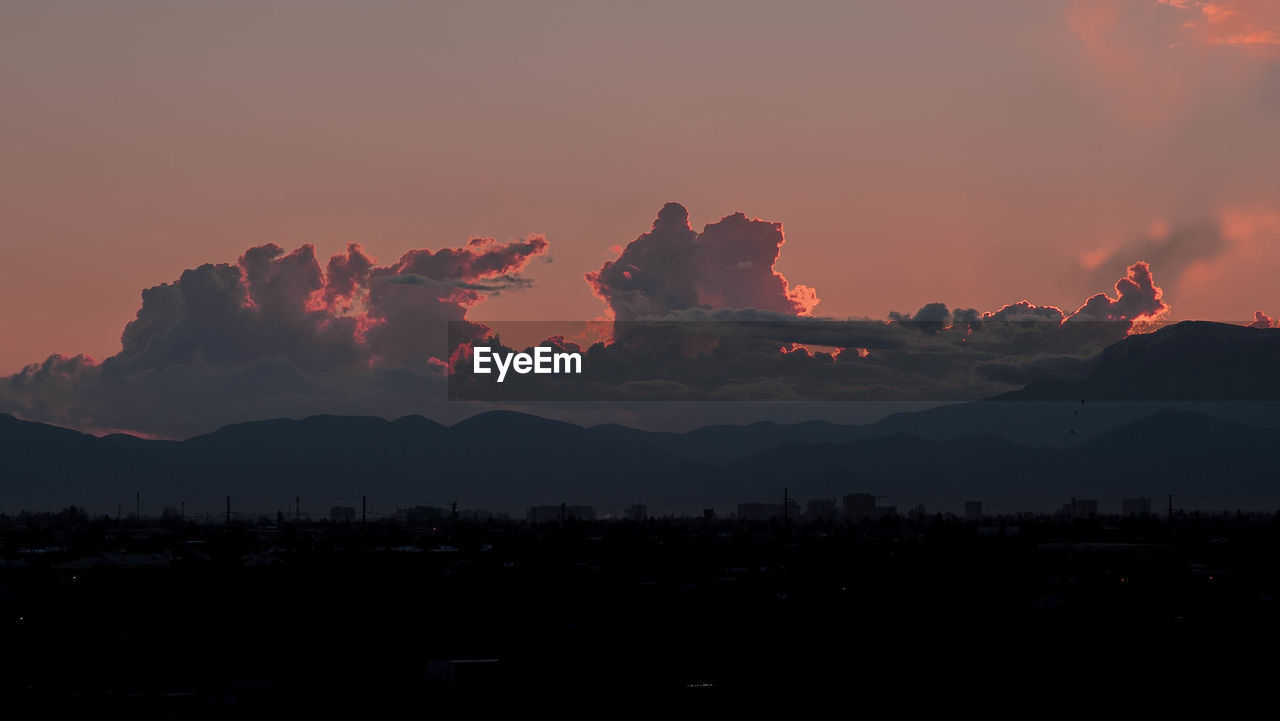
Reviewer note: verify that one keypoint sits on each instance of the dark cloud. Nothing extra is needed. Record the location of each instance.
(728, 265)
(1173, 252)
(1025, 311)
(1021, 371)
(727, 355)
(931, 318)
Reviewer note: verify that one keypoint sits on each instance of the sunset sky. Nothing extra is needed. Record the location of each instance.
(972, 153)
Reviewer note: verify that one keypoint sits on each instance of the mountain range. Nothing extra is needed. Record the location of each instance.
(1190, 410)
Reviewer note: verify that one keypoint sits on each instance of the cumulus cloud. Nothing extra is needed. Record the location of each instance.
(698, 316)
(1262, 320)
(672, 268)
(1137, 298)
(931, 318)
(1025, 311)
(277, 334)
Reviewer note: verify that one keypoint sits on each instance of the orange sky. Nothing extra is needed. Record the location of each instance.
(971, 153)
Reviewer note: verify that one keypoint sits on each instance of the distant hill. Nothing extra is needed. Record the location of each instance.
(497, 460)
(1204, 461)
(1192, 361)
(1166, 412)
(508, 461)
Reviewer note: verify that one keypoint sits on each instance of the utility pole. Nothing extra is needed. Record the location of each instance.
(297, 508)
(364, 512)
(228, 511)
(137, 504)
(184, 511)
(1171, 508)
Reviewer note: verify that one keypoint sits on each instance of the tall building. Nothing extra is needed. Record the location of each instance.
(767, 511)
(560, 513)
(1136, 506)
(638, 513)
(544, 514)
(973, 510)
(422, 515)
(580, 513)
(1080, 508)
(859, 506)
(820, 509)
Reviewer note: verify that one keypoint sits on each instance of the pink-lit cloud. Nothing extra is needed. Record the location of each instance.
(1249, 24)
(1137, 299)
(730, 264)
(1156, 62)
(1262, 320)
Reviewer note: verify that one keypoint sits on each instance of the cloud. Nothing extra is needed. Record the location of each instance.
(1023, 342)
(672, 268)
(931, 318)
(1025, 311)
(1152, 62)
(344, 276)
(277, 334)
(1173, 251)
(1262, 320)
(410, 302)
(1251, 24)
(1138, 298)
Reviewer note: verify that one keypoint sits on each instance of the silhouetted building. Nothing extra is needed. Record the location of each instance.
(422, 515)
(1136, 506)
(973, 510)
(859, 506)
(638, 513)
(1080, 508)
(766, 511)
(886, 511)
(560, 513)
(580, 513)
(820, 509)
(544, 514)
(342, 514)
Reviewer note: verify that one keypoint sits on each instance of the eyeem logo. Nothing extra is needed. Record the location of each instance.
(544, 361)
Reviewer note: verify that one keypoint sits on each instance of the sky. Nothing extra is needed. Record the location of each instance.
(973, 154)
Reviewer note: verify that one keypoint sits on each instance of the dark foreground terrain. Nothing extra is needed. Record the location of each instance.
(1019, 615)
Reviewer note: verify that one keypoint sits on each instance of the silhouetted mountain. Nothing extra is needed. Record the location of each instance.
(509, 461)
(1201, 459)
(495, 460)
(722, 444)
(1196, 361)
(1217, 369)
(1106, 435)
